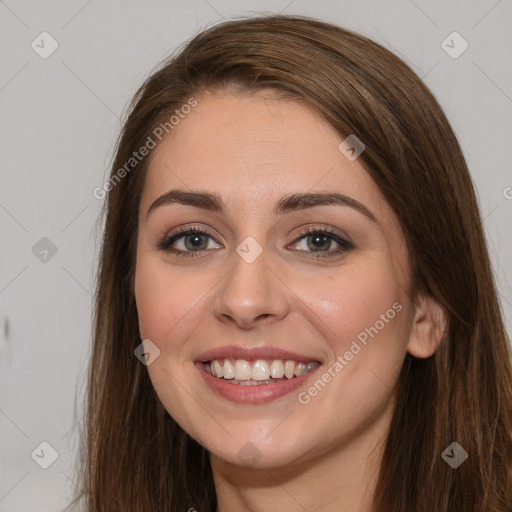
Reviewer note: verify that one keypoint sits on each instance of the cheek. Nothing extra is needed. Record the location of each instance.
(363, 305)
(363, 315)
(166, 301)
(169, 309)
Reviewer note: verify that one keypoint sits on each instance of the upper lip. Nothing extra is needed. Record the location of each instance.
(251, 354)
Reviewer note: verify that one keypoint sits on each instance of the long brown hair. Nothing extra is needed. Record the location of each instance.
(134, 457)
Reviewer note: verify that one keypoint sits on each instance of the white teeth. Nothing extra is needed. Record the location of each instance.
(277, 370)
(289, 369)
(218, 368)
(228, 371)
(259, 371)
(242, 370)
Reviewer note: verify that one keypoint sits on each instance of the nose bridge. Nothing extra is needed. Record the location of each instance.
(251, 288)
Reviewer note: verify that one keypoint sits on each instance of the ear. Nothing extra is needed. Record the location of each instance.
(428, 326)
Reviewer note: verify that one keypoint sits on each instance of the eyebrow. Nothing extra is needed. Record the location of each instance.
(293, 202)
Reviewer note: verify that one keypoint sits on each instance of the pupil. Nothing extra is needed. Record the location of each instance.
(196, 240)
(319, 240)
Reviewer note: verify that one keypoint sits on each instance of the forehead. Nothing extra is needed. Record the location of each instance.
(254, 144)
(254, 149)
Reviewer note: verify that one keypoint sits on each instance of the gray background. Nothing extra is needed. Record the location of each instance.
(60, 117)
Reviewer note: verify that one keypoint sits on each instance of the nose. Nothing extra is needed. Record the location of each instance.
(251, 293)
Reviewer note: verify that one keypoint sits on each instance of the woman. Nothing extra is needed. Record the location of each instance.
(233, 368)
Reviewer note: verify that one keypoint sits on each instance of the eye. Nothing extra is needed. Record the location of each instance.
(194, 241)
(320, 240)
(191, 241)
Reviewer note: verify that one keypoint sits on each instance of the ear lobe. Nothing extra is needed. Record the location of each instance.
(428, 326)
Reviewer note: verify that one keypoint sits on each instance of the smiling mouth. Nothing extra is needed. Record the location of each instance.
(259, 372)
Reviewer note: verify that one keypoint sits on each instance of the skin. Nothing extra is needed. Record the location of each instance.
(253, 150)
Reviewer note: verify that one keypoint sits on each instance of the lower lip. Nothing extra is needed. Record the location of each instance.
(255, 394)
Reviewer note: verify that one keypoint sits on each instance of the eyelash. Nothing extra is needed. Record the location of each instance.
(166, 242)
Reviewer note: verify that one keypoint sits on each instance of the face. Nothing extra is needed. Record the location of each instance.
(254, 276)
